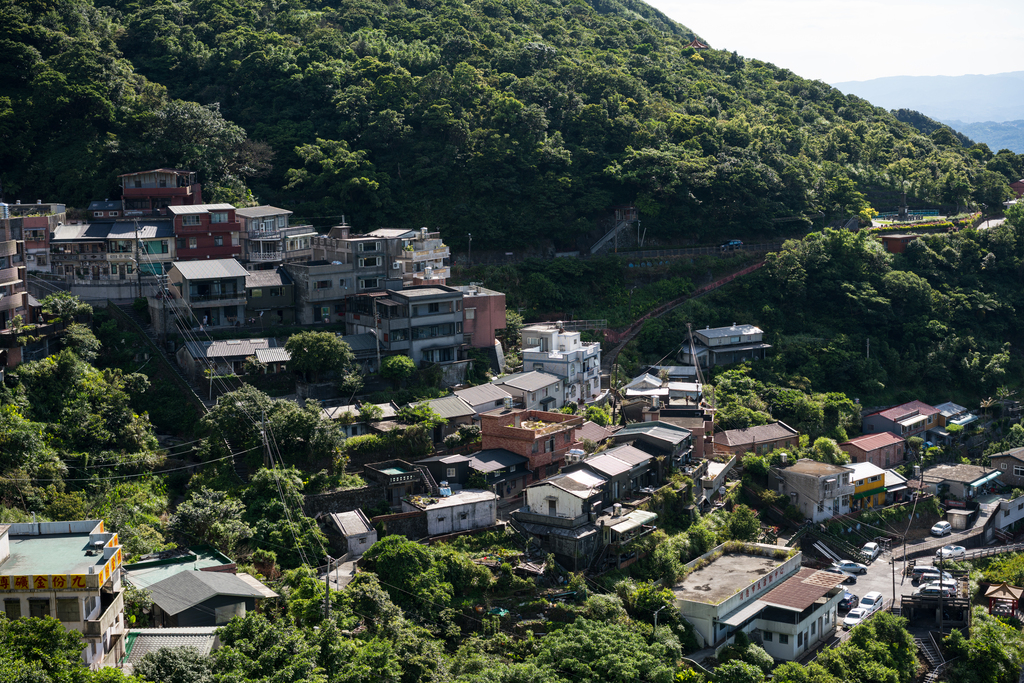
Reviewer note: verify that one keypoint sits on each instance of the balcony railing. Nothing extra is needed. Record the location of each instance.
(97, 627)
(264, 235)
(224, 296)
(266, 256)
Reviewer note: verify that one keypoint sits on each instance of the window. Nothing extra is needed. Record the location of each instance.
(533, 396)
(783, 639)
(535, 447)
(470, 314)
(451, 472)
(191, 219)
(821, 506)
(38, 608)
(434, 308)
(218, 240)
(766, 636)
(68, 609)
(1018, 470)
(566, 437)
(256, 293)
(400, 335)
(282, 221)
(192, 242)
(154, 247)
(368, 283)
(368, 246)
(179, 243)
(370, 262)
(799, 639)
(1002, 465)
(219, 217)
(234, 239)
(322, 284)
(12, 607)
(275, 291)
(513, 468)
(846, 501)
(113, 269)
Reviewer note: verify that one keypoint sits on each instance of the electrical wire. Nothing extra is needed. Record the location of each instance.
(135, 476)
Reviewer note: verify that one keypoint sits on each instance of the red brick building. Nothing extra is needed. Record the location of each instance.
(148, 193)
(1018, 187)
(206, 231)
(541, 437)
(883, 450)
(897, 244)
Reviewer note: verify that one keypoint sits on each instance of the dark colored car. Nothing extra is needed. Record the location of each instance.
(848, 602)
(732, 244)
(850, 578)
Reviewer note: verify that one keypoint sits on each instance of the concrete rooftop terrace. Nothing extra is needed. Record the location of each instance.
(50, 554)
(722, 578)
(145, 574)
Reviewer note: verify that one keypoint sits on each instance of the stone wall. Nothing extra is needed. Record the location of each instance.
(343, 500)
(455, 373)
(321, 391)
(412, 525)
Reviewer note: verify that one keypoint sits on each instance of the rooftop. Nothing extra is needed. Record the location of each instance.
(183, 590)
(905, 410)
(261, 211)
(278, 355)
(463, 497)
(731, 331)
(579, 483)
(267, 278)
(484, 393)
(198, 208)
(175, 171)
(207, 270)
(593, 431)
(228, 348)
(1016, 453)
(147, 572)
(390, 233)
(451, 407)
(144, 229)
(50, 554)
(628, 454)
(965, 474)
(494, 459)
(724, 577)
(754, 435)
(421, 292)
(814, 468)
(803, 590)
(140, 642)
(351, 523)
(528, 381)
(863, 470)
(870, 442)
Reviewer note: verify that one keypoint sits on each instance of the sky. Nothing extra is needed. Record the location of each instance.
(855, 40)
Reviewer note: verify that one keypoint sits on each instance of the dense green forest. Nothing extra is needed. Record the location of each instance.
(517, 122)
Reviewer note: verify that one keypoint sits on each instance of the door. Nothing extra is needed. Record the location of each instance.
(552, 508)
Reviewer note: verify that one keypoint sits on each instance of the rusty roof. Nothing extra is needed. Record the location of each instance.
(804, 589)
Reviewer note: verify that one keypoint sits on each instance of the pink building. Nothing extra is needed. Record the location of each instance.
(484, 314)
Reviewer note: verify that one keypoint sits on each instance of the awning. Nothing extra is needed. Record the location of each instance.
(634, 519)
(872, 492)
(744, 615)
(897, 487)
(987, 478)
(547, 399)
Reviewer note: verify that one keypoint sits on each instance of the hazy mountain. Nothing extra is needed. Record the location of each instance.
(1005, 135)
(970, 99)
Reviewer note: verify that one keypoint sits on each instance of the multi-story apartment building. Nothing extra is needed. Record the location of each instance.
(79, 251)
(321, 288)
(541, 437)
(484, 314)
(212, 292)
(147, 193)
(422, 322)
(552, 349)
(818, 489)
(206, 231)
(417, 257)
(70, 571)
(423, 259)
(13, 295)
(108, 250)
(724, 345)
(36, 221)
(268, 239)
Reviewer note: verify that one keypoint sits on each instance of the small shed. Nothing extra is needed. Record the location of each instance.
(355, 530)
(1003, 599)
(204, 598)
(959, 519)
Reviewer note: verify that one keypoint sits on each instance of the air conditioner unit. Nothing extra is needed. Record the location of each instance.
(396, 265)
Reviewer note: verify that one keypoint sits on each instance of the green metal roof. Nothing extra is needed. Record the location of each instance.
(865, 494)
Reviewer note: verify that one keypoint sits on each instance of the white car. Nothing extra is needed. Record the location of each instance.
(850, 567)
(871, 550)
(942, 528)
(854, 617)
(951, 552)
(872, 602)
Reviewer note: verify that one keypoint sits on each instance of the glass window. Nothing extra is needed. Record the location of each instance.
(282, 221)
(322, 284)
(368, 283)
(12, 607)
(766, 636)
(191, 219)
(1018, 470)
(113, 269)
(218, 240)
(275, 291)
(783, 639)
(192, 243)
(68, 609)
(470, 314)
(234, 239)
(451, 472)
(257, 293)
(180, 243)
(38, 608)
(219, 217)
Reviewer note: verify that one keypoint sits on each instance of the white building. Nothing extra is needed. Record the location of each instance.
(552, 349)
(463, 511)
(799, 613)
(534, 390)
(70, 571)
(818, 489)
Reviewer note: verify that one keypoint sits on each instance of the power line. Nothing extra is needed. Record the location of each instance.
(134, 476)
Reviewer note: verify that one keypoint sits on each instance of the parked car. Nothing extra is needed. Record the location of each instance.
(850, 578)
(851, 567)
(872, 602)
(951, 552)
(848, 602)
(871, 550)
(942, 528)
(933, 574)
(855, 616)
(934, 590)
(916, 572)
(732, 244)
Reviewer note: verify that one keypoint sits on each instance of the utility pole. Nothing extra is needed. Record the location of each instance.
(327, 594)
(469, 256)
(376, 332)
(869, 348)
(138, 258)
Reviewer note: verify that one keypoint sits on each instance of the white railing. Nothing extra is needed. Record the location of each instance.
(266, 256)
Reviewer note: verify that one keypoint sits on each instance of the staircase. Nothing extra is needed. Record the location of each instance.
(933, 656)
(834, 543)
(428, 480)
(611, 234)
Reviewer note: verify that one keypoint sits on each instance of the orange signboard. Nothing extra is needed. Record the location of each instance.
(59, 581)
(40, 582)
(78, 581)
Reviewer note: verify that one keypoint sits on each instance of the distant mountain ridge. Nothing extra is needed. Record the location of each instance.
(969, 99)
(997, 135)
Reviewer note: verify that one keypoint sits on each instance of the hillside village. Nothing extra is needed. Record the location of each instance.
(345, 410)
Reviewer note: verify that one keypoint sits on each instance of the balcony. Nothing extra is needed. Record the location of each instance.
(9, 276)
(266, 256)
(232, 226)
(266, 235)
(112, 611)
(562, 521)
(224, 298)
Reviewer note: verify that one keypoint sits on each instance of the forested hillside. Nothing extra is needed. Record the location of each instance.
(516, 121)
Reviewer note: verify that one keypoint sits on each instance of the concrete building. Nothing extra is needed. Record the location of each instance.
(356, 532)
(224, 356)
(321, 288)
(660, 439)
(759, 440)
(800, 613)
(818, 489)
(905, 420)
(534, 390)
(868, 486)
(415, 257)
(884, 449)
(212, 293)
(150, 193)
(960, 482)
(269, 240)
(1010, 465)
(543, 438)
(79, 252)
(725, 345)
(14, 296)
(503, 471)
(552, 349)
(484, 397)
(627, 471)
(721, 598)
(462, 511)
(562, 512)
(399, 479)
(206, 231)
(70, 571)
(34, 222)
(270, 297)
(484, 315)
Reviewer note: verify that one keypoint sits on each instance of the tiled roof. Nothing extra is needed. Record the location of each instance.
(494, 459)
(593, 431)
(759, 434)
(899, 411)
(275, 355)
(209, 270)
(803, 590)
(1015, 453)
(870, 442)
(145, 640)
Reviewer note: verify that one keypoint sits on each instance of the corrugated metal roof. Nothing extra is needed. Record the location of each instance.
(608, 465)
(147, 229)
(278, 355)
(210, 270)
(803, 590)
(758, 434)
(485, 393)
(361, 342)
(351, 523)
(267, 278)
(183, 590)
(81, 232)
(494, 459)
(146, 640)
(198, 208)
(731, 331)
(262, 211)
(629, 454)
(227, 348)
(451, 407)
(528, 381)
